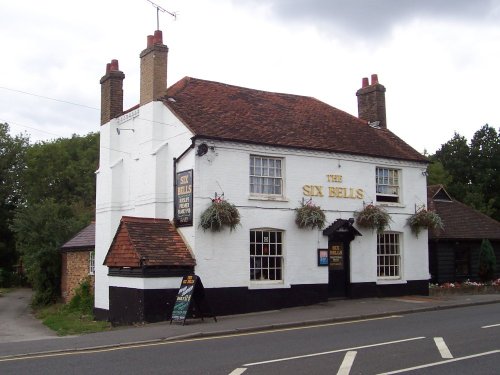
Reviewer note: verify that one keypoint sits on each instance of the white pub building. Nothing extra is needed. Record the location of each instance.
(183, 149)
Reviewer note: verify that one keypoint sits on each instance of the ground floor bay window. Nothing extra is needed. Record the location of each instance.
(266, 255)
(388, 256)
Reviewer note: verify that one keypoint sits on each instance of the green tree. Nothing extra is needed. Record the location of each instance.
(58, 199)
(41, 228)
(438, 175)
(454, 156)
(487, 261)
(485, 177)
(63, 169)
(12, 163)
(471, 173)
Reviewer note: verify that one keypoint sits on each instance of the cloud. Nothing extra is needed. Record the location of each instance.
(376, 18)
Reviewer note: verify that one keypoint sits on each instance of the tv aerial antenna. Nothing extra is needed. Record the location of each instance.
(158, 10)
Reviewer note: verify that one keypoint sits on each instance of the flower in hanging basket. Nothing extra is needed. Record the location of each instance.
(310, 215)
(219, 214)
(373, 217)
(424, 219)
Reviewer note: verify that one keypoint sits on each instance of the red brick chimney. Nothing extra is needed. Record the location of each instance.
(153, 69)
(111, 92)
(371, 102)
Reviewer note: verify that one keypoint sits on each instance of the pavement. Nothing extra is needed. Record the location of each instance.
(328, 312)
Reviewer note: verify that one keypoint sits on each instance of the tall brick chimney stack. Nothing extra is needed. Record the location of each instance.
(153, 69)
(111, 92)
(371, 102)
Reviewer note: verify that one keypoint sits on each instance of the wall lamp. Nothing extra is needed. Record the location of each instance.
(120, 130)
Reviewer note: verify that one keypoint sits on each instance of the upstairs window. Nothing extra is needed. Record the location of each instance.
(266, 175)
(387, 181)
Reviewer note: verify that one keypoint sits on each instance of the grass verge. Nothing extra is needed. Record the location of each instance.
(67, 321)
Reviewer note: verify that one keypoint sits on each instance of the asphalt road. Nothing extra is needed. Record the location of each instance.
(457, 341)
(17, 323)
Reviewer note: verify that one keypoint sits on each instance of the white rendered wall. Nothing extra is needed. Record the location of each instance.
(223, 258)
(134, 177)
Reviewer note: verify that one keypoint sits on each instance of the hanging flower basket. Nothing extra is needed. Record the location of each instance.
(309, 215)
(219, 214)
(373, 217)
(424, 219)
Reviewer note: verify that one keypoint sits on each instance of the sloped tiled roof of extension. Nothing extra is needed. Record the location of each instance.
(147, 242)
(83, 240)
(219, 111)
(460, 222)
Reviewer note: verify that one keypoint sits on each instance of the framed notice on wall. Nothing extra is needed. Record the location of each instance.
(323, 257)
(183, 198)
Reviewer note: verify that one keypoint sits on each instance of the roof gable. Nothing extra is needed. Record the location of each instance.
(438, 192)
(459, 220)
(142, 242)
(220, 111)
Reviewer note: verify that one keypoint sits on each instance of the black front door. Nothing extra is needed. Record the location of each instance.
(340, 234)
(338, 268)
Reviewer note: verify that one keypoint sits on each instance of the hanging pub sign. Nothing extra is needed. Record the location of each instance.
(184, 198)
(191, 301)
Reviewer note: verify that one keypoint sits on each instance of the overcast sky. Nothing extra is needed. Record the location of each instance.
(438, 59)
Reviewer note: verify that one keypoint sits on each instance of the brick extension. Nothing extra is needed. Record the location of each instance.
(75, 261)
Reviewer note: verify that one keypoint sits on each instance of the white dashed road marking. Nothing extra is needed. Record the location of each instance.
(443, 349)
(346, 365)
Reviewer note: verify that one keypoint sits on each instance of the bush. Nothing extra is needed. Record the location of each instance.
(5, 281)
(487, 261)
(83, 300)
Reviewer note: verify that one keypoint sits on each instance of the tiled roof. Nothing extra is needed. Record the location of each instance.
(147, 242)
(85, 239)
(220, 111)
(460, 221)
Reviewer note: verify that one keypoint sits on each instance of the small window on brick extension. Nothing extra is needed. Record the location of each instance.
(91, 262)
(387, 183)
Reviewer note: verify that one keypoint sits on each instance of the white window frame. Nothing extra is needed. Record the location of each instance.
(266, 174)
(388, 185)
(266, 266)
(91, 262)
(389, 256)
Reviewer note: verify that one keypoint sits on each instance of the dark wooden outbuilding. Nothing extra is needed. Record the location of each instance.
(454, 250)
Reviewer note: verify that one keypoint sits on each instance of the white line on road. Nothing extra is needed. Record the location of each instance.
(346, 365)
(440, 362)
(442, 347)
(493, 325)
(238, 371)
(86, 351)
(333, 351)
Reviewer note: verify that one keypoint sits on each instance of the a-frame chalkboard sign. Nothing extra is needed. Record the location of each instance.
(191, 301)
